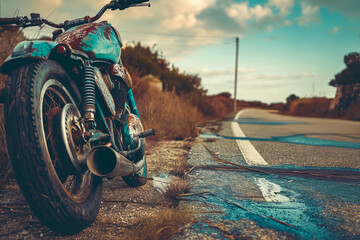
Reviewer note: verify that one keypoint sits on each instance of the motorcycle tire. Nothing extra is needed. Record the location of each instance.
(64, 200)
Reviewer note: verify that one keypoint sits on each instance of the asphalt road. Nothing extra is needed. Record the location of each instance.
(300, 181)
(318, 152)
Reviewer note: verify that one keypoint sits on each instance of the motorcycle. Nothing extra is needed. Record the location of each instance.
(71, 118)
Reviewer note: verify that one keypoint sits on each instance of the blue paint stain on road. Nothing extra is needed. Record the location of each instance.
(304, 140)
(306, 208)
(301, 139)
(260, 121)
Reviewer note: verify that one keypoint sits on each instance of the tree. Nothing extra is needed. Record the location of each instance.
(351, 74)
(146, 60)
(347, 83)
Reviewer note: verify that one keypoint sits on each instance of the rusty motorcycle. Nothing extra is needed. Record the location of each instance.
(71, 118)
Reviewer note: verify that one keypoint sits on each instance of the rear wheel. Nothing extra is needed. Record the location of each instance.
(41, 102)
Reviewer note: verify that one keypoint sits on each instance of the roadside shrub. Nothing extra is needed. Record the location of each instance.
(310, 107)
(162, 225)
(353, 112)
(216, 106)
(172, 116)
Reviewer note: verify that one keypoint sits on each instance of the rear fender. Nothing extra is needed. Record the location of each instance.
(27, 50)
(30, 50)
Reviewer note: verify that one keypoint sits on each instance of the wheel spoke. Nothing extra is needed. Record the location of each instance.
(51, 131)
(54, 101)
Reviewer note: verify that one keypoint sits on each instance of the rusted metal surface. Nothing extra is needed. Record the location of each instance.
(104, 91)
(98, 40)
(30, 49)
(120, 71)
(106, 78)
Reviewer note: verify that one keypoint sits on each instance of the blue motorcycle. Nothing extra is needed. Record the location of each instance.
(71, 118)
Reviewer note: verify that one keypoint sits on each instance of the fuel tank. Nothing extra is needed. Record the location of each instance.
(100, 41)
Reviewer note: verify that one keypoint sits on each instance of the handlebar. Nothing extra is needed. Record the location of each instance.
(14, 20)
(36, 20)
(132, 2)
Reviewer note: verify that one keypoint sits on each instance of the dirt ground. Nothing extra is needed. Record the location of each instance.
(121, 209)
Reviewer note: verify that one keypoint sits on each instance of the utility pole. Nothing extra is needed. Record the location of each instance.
(236, 72)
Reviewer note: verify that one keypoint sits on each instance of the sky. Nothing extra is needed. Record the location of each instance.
(286, 46)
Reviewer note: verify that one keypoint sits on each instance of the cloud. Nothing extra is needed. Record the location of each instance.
(283, 5)
(335, 30)
(180, 21)
(259, 12)
(168, 9)
(268, 81)
(349, 8)
(287, 23)
(207, 72)
(309, 14)
(242, 12)
(303, 75)
(271, 39)
(240, 18)
(252, 81)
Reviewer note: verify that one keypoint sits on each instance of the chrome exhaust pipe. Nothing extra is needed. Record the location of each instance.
(104, 161)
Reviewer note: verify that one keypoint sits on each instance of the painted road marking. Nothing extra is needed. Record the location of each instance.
(270, 191)
(251, 155)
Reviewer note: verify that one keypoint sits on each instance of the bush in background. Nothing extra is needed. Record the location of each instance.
(309, 107)
(216, 106)
(172, 116)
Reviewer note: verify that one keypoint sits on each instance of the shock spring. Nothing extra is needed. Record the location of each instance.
(88, 94)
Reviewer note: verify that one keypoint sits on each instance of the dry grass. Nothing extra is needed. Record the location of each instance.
(215, 107)
(353, 112)
(319, 107)
(180, 169)
(174, 190)
(161, 225)
(170, 115)
(310, 107)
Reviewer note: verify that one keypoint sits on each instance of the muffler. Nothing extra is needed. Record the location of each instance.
(104, 161)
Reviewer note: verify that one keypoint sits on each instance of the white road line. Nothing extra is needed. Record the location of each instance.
(252, 157)
(270, 191)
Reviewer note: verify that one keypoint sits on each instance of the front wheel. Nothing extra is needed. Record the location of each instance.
(63, 197)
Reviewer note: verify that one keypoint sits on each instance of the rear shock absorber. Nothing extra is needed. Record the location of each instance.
(88, 96)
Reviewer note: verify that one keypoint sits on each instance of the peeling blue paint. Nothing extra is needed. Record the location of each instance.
(131, 101)
(32, 49)
(98, 40)
(109, 49)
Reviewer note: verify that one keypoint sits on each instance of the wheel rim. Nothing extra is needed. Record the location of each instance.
(54, 96)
